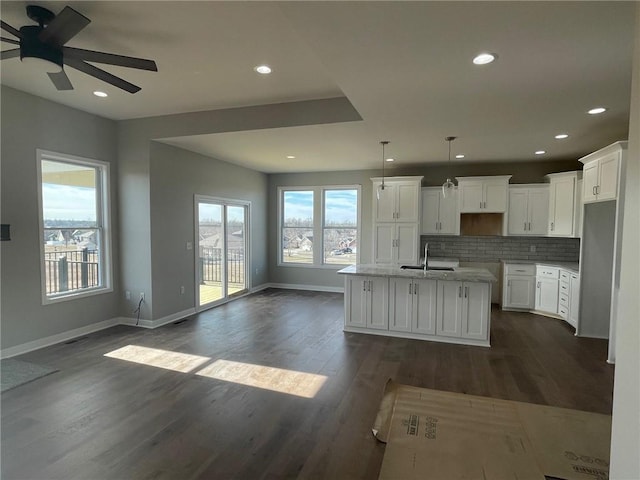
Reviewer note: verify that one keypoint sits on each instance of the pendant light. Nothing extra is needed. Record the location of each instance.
(381, 186)
(447, 187)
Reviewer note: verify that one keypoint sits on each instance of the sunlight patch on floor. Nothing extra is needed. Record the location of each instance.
(291, 382)
(280, 380)
(176, 361)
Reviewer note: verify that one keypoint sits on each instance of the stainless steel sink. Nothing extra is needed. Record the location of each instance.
(418, 267)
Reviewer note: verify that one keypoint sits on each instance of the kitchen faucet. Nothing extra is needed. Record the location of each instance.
(426, 253)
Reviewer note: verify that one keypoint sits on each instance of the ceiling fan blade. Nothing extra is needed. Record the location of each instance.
(10, 40)
(10, 29)
(64, 27)
(10, 54)
(109, 58)
(60, 80)
(101, 74)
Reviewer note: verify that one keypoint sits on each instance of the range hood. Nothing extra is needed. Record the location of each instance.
(481, 224)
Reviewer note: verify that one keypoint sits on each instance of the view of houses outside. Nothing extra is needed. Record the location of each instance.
(339, 230)
(211, 254)
(70, 227)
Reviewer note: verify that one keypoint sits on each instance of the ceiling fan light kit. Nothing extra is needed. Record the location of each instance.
(44, 44)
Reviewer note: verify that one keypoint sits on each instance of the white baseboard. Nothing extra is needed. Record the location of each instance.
(313, 288)
(58, 338)
(151, 324)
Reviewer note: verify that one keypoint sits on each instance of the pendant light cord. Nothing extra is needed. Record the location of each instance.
(383, 143)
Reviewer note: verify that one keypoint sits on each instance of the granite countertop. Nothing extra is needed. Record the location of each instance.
(461, 274)
(572, 266)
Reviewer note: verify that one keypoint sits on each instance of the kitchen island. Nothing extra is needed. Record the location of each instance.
(442, 306)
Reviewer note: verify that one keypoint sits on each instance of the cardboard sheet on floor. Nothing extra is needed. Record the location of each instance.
(435, 434)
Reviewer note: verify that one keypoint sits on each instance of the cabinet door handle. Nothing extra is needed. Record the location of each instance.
(485, 205)
(364, 285)
(538, 284)
(415, 289)
(409, 289)
(552, 227)
(480, 204)
(370, 285)
(525, 225)
(593, 190)
(597, 189)
(460, 291)
(529, 226)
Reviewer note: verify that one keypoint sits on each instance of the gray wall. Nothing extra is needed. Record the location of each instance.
(433, 175)
(176, 176)
(29, 123)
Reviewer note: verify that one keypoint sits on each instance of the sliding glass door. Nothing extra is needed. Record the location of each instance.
(221, 246)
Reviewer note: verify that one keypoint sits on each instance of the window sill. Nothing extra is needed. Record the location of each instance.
(49, 300)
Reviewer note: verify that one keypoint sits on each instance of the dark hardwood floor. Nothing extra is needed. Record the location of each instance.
(105, 418)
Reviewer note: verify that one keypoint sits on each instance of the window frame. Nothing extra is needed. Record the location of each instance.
(318, 224)
(103, 226)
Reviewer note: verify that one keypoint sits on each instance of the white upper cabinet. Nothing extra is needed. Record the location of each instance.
(565, 206)
(601, 173)
(399, 201)
(439, 214)
(528, 210)
(483, 194)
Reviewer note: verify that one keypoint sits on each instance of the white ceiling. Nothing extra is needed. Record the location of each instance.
(405, 67)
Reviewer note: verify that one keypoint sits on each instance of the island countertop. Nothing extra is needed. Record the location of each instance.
(460, 274)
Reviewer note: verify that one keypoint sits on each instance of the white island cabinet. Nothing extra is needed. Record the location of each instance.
(412, 305)
(366, 299)
(452, 306)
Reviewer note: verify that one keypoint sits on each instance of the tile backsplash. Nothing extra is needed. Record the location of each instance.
(493, 249)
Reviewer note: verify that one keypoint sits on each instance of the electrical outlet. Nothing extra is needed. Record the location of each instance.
(142, 296)
(127, 295)
(182, 290)
(257, 270)
(189, 245)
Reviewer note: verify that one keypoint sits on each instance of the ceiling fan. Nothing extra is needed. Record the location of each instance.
(45, 42)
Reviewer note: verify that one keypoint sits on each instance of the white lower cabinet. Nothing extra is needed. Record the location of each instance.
(367, 302)
(412, 305)
(547, 289)
(519, 287)
(574, 300)
(463, 310)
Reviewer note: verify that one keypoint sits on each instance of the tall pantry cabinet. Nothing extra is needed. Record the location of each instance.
(396, 220)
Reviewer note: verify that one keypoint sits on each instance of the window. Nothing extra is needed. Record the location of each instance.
(73, 201)
(319, 226)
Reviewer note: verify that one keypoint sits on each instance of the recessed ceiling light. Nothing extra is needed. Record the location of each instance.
(484, 58)
(263, 69)
(597, 110)
(100, 94)
(562, 136)
(390, 159)
(540, 152)
(460, 155)
(291, 156)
